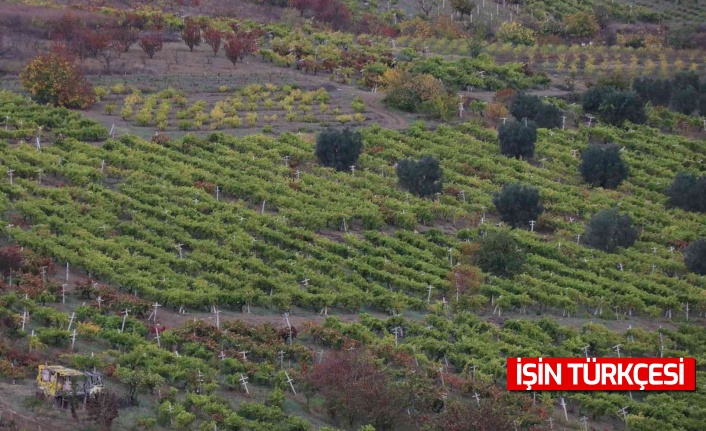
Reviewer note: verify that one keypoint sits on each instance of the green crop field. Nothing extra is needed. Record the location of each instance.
(332, 215)
(144, 217)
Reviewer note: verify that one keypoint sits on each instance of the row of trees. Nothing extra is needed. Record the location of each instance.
(108, 42)
(614, 106)
(685, 93)
(237, 44)
(517, 205)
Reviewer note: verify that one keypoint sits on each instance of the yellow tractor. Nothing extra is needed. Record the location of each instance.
(59, 382)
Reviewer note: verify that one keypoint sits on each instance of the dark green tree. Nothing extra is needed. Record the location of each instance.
(545, 115)
(686, 80)
(421, 177)
(695, 256)
(499, 254)
(593, 98)
(602, 166)
(524, 106)
(518, 204)
(517, 138)
(656, 91)
(685, 99)
(338, 149)
(621, 106)
(607, 230)
(548, 116)
(688, 192)
(463, 7)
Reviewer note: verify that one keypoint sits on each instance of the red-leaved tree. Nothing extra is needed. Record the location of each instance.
(240, 44)
(213, 38)
(10, 259)
(151, 43)
(95, 41)
(124, 36)
(355, 389)
(191, 34)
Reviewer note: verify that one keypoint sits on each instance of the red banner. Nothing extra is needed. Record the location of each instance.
(601, 374)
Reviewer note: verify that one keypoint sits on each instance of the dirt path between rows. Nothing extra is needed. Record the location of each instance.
(297, 318)
(487, 96)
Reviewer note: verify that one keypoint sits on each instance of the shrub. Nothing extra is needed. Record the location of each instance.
(358, 105)
(518, 204)
(118, 88)
(100, 92)
(499, 254)
(251, 118)
(608, 230)
(55, 78)
(620, 106)
(695, 256)
(580, 24)
(338, 149)
(517, 138)
(404, 98)
(126, 112)
(515, 33)
(688, 192)
(602, 166)
(421, 177)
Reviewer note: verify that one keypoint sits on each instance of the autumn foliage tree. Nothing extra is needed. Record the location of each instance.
(55, 78)
(151, 43)
(10, 259)
(239, 45)
(497, 411)
(103, 409)
(213, 37)
(465, 279)
(96, 41)
(191, 34)
(356, 390)
(124, 36)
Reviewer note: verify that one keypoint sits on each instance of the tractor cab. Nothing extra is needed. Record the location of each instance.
(59, 381)
(93, 383)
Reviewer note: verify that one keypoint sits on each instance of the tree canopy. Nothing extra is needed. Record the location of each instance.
(688, 192)
(607, 230)
(602, 166)
(499, 254)
(517, 138)
(421, 177)
(518, 204)
(338, 149)
(695, 256)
